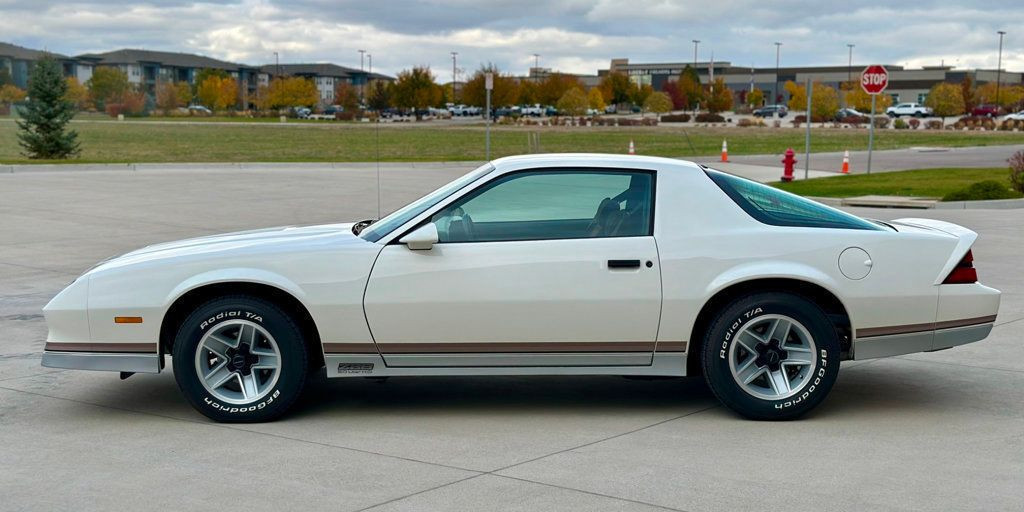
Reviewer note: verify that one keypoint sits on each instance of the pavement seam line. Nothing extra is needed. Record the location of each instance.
(228, 427)
(417, 493)
(592, 493)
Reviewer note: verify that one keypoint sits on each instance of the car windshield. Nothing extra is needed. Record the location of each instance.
(390, 222)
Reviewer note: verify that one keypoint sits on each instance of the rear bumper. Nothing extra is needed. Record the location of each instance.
(896, 344)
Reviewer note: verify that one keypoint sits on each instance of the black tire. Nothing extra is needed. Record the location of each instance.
(731, 319)
(272, 403)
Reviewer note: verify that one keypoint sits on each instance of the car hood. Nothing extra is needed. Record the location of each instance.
(241, 242)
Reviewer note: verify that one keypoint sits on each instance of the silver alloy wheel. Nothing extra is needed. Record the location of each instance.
(773, 357)
(238, 362)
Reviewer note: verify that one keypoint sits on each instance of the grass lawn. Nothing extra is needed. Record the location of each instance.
(140, 141)
(933, 183)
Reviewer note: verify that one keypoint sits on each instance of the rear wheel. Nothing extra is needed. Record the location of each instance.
(240, 359)
(771, 356)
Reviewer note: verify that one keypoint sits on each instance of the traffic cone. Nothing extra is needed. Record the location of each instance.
(846, 162)
(725, 151)
(632, 148)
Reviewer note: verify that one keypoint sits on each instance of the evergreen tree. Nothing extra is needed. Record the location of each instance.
(46, 114)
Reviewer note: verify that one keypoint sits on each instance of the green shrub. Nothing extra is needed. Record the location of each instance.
(988, 189)
(899, 124)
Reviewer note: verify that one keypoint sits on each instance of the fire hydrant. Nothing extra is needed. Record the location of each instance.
(789, 161)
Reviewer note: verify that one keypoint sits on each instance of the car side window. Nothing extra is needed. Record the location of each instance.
(552, 204)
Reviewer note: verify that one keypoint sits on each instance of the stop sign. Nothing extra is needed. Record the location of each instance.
(874, 79)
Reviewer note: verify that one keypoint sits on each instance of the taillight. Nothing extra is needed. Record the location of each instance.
(964, 272)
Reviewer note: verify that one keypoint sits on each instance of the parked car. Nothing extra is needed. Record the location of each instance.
(850, 115)
(199, 109)
(535, 110)
(301, 112)
(760, 291)
(506, 111)
(1016, 116)
(908, 109)
(986, 110)
(771, 111)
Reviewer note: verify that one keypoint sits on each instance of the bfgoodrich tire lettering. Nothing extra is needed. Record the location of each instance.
(771, 356)
(240, 359)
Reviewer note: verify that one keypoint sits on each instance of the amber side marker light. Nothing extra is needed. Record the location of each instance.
(127, 319)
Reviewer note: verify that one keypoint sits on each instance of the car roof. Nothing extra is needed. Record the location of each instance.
(591, 159)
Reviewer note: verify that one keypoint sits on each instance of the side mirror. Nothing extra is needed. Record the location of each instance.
(422, 239)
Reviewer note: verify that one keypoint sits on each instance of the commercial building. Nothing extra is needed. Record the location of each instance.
(905, 85)
(326, 76)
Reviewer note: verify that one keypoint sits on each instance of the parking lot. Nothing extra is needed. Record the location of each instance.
(940, 431)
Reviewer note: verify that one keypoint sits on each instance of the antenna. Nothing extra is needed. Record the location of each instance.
(378, 167)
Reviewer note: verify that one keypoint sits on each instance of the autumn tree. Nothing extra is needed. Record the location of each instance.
(824, 100)
(573, 102)
(505, 91)
(945, 100)
(658, 102)
(201, 76)
(967, 92)
(856, 98)
(292, 91)
(378, 95)
(555, 85)
(595, 99)
(1008, 95)
(42, 129)
(107, 84)
(689, 85)
(76, 93)
(718, 97)
(346, 96)
(640, 93)
(217, 92)
(416, 89)
(671, 88)
(10, 94)
(755, 98)
(527, 92)
(171, 95)
(616, 87)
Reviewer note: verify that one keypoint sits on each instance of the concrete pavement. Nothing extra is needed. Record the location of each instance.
(941, 431)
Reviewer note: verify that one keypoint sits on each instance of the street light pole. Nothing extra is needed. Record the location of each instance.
(454, 75)
(362, 89)
(849, 64)
(999, 66)
(277, 64)
(536, 67)
(775, 94)
(695, 43)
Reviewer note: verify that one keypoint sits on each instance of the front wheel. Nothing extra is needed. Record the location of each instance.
(240, 359)
(771, 356)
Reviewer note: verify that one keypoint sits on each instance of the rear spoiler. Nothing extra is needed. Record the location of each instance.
(965, 239)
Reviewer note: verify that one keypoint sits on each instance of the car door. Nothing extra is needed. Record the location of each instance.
(554, 267)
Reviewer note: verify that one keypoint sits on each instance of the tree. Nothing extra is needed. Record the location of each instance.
(378, 95)
(967, 92)
(218, 92)
(616, 87)
(797, 95)
(205, 73)
(416, 89)
(505, 92)
(824, 100)
(10, 94)
(293, 91)
(1009, 95)
(658, 102)
(171, 95)
(679, 100)
(755, 98)
(856, 98)
(346, 96)
(107, 84)
(945, 100)
(573, 102)
(639, 94)
(718, 97)
(595, 99)
(46, 114)
(76, 93)
(555, 85)
(689, 85)
(527, 92)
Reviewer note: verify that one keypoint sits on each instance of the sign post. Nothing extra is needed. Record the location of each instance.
(488, 85)
(807, 138)
(874, 79)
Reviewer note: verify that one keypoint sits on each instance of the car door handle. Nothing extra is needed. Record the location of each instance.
(623, 263)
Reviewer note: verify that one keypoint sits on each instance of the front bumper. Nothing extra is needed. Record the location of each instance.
(103, 361)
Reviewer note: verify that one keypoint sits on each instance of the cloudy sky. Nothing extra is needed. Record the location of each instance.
(571, 35)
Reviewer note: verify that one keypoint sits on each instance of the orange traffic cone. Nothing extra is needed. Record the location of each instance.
(846, 162)
(725, 151)
(632, 148)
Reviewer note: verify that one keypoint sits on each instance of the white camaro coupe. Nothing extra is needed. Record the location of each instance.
(564, 264)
